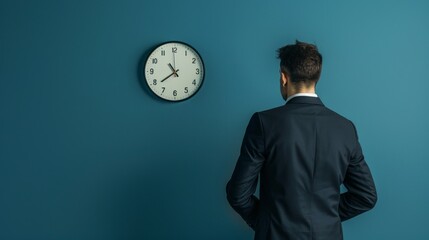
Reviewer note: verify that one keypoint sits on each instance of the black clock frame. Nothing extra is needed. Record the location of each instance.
(202, 62)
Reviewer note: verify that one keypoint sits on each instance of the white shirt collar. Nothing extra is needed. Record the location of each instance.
(301, 95)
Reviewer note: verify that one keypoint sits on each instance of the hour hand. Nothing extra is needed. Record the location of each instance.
(172, 69)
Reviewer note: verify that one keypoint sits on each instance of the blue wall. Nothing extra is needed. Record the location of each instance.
(87, 153)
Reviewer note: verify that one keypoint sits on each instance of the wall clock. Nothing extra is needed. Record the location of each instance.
(174, 71)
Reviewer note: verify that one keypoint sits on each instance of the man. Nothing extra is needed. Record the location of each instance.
(303, 152)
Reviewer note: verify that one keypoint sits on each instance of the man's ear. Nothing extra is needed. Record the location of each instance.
(285, 78)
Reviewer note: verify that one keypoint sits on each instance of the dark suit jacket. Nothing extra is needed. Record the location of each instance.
(302, 152)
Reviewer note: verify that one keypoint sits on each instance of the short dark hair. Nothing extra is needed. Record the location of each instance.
(301, 61)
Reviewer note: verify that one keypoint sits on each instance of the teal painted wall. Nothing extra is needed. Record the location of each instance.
(87, 153)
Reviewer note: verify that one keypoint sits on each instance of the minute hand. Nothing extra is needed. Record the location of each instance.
(169, 76)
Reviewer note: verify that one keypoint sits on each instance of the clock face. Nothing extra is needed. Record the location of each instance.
(174, 71)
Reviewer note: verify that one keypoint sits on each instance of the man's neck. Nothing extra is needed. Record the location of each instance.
(302, 94)
(292, 92)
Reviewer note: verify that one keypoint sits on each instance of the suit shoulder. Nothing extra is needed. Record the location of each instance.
(339, 117)
(282, 111)
(271, 111)
(337, 114)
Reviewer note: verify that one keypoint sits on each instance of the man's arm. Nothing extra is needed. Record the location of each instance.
(361, 195)
(242, 186)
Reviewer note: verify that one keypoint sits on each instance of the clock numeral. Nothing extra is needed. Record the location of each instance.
(186, 53)
(194, 82)
(162, 52)
(154, 61)
(174, 49)
(175, 93)
(194, 60)
(163, 89)
(186, 89)
(197, 71)
(151, 71)
(154, 82)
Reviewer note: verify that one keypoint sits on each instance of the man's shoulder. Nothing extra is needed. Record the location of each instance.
(271, 113)
(272, 110)
(337, 115)
(285, 110)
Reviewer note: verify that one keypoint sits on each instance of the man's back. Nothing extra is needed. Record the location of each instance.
(303, 152)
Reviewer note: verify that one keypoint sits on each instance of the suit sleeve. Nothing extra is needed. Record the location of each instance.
(241, 187)
(361, 195)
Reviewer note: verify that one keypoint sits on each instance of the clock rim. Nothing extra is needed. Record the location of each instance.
(202, 79)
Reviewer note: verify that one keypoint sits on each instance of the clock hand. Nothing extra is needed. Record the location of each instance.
(174, 60)
(169, 75)
(172, 69)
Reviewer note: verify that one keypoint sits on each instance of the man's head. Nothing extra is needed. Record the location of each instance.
(300, 68)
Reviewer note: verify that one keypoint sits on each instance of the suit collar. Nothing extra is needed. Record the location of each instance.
(301, 95)
(305, 100)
